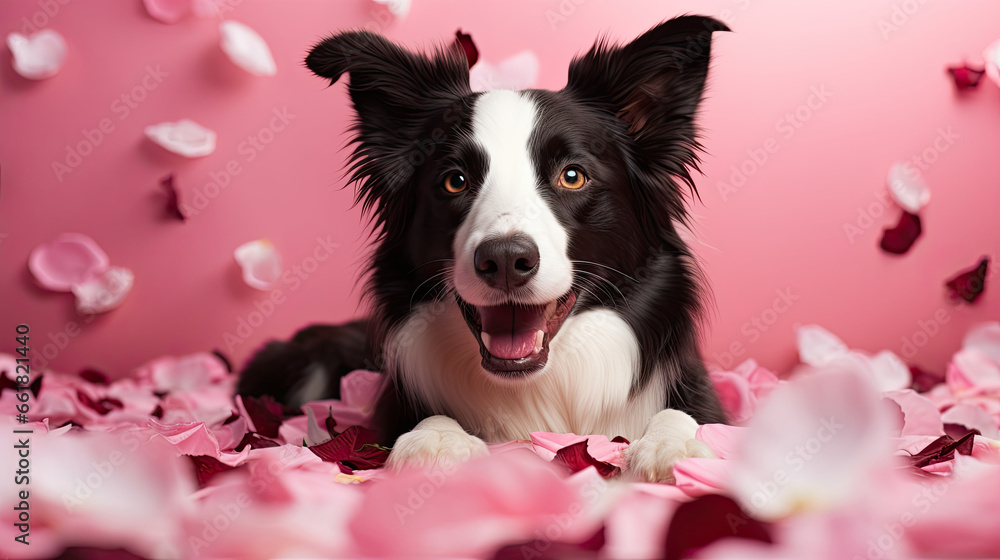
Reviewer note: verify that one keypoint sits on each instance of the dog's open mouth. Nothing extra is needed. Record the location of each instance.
(514, 338)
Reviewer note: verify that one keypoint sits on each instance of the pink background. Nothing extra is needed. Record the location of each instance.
(783, 229)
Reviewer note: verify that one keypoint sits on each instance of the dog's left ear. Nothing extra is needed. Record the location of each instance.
(654, 84)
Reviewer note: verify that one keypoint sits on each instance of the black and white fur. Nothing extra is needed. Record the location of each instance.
(625, 359)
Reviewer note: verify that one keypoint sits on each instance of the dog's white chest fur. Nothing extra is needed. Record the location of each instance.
(583, 389)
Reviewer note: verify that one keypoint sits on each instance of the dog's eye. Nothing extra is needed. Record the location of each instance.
(455, 182)
(572, 178)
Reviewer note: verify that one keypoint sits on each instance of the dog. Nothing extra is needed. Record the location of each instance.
(528, 270)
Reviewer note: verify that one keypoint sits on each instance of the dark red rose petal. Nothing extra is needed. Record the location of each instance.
(331, 425)
(206, 467)
(173, 198)
(540, 549)
(355, 449)
(704, 520)
(94, 553)
(923, 380)
(94, 376)
(255, 442)
(265, 413)
(157, 412)
(6, 382)
(968, 285)
(943, 449)
(956, 431)
(102, 406)
(464, 42)
(36, 386)
(576, 458)
(619, 439)
(965, 76)
(899, 239)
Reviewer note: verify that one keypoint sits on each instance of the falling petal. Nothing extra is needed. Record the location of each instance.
(168, 11)
(260, 262)
(965, 76)
(398, 8)
(67, 260)
(517, 72)
(464, 42)
(991, 56)
(173, 198)
(899, 239)
(969, 284)
(104, 291)
(247, 49)
(184, 137)
(702, 521)
(38, 56)
(907, 187)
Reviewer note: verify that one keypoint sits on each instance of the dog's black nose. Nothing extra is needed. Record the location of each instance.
(507, 262)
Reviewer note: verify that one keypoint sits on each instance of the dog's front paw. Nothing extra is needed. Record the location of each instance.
(669, 438)
(437, 441)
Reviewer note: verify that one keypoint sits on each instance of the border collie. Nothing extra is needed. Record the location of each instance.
(527, 273)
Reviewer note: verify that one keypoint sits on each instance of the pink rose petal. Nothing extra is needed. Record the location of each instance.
(104, 291)
(517, 72)
(985, 338)
(698, 476)
(261, 263)
(908, 189)
(722, 439)
(247, 49)
(817, 346)
(168, 11)
(67, 260)
(971, 373)
(920, 415)
(991, 56)
(184, 137)
(973, 418)
(37, 56)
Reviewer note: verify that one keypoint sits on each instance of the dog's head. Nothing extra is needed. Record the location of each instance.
(526, 205)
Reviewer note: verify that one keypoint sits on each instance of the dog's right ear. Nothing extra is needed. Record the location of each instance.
(395, 93)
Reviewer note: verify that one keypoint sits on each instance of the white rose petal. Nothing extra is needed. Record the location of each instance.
(37, 56)
(261, 263)
(183, 137)
(247, 49)
(907, 188)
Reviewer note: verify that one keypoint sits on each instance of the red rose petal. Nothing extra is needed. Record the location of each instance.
(943, 449)
(965, 76)
(102, 406)
(173, 198)
(265, 413)
(206, 467)
(577, 458)
(923, 380)
(899, 239)
(255, 442)
(619, 439)
(464, 42)
(93, 376)
(969, 284)
(704, 520)
(355, 448)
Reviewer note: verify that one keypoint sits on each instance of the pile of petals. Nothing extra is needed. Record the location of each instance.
(851, 454)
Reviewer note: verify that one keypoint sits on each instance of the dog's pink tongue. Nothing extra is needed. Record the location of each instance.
(509, 332)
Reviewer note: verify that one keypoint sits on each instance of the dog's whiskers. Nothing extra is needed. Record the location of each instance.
(607, 267)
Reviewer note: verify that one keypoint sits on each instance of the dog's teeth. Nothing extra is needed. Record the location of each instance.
(539, 340)
(486, 339)
(550, 309)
